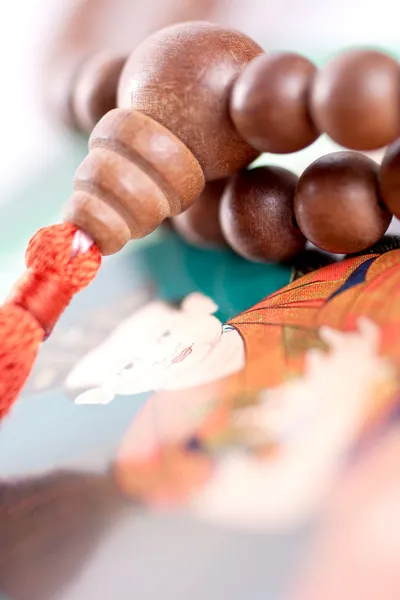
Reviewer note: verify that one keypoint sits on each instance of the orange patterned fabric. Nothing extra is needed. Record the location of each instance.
(279, 329)
(277, 333)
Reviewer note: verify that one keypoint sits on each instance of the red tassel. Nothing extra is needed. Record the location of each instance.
(58, 266)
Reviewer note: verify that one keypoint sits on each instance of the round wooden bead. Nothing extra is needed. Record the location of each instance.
(269, 103)
(182, 76)
(257, 217)
(337, 203)
(389, 178)
(355, 99)
(136, 174)
(95, 89)
(199, 225)
(81, 28)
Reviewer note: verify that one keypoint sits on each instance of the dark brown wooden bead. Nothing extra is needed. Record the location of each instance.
(199, 225)
(389, 178)
(270, 100)
(182, 77)
(356, 100)
(257, 216)
(337, 203)
(95, 89)
(136, 174)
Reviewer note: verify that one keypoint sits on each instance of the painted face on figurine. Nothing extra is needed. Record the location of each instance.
(321, 370)
(159, 347)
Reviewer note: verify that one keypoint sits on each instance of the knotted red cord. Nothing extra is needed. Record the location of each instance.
(58, 267)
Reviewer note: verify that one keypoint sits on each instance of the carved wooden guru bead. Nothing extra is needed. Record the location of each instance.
(197, 103)
(182, 77)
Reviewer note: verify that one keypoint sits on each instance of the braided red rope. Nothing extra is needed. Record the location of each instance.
(58, 267)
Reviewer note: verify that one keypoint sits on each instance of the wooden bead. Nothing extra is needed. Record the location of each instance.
(181, 76)
(269, 103)
(81, 28)
(337, 203)
(389, 178)
(257, 216)
(355, 99)
(199, 224)
(136, 174)
(95, 89)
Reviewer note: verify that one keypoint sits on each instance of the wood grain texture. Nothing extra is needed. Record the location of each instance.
(156, 150)
(136, 174)
(389, 178)
(270, 103)
(95, 89)
(182, 76)
(355, 99)
(338, 205)
(257, 216)
(199, 225)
